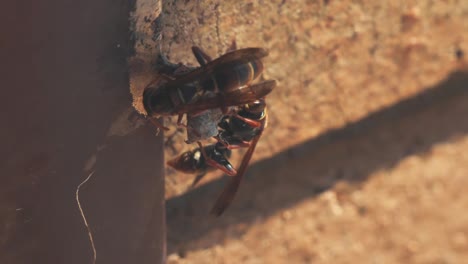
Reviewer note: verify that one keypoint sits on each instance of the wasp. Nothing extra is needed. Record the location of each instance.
(241, 128)
(220, 83)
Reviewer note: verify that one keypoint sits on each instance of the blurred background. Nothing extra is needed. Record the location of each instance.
(364, 159)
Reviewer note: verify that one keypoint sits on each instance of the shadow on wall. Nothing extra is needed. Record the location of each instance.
(349, 154)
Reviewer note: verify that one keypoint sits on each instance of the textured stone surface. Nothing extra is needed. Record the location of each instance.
(345, 172)
(335, 61)
(387, 189)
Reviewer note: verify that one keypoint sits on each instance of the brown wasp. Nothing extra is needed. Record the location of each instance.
(220, 83)
(240, 128)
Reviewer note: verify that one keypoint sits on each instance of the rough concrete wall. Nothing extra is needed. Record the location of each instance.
(364, 159)
(67, 114)
(336, 61)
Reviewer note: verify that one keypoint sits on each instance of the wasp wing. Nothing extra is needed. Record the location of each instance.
(241, 96)
(226, 197)
(227, 60)
(249, 93)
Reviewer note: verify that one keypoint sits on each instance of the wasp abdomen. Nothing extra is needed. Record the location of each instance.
(249, 71)
(234, 77)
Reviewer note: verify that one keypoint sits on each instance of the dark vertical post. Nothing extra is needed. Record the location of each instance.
(66, 113)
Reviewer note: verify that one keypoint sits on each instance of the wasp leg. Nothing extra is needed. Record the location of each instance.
(250, 122)
(179, 121)
(241, 144)
(230, 144)
(200, 55)
(229, 170)
(158, 125)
